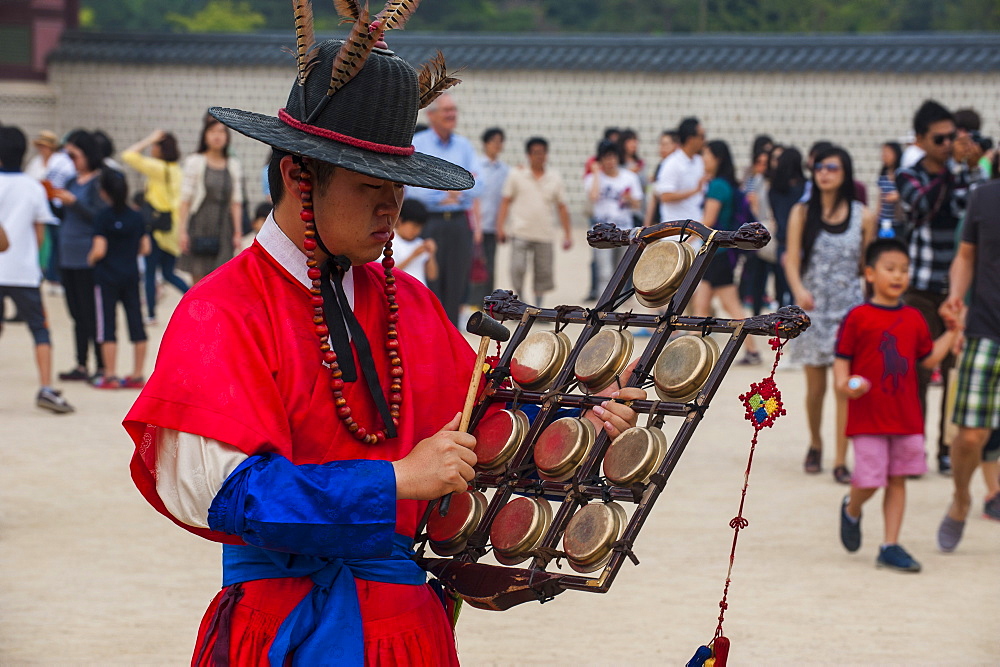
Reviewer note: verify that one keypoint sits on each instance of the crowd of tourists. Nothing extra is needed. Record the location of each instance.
(71, 224)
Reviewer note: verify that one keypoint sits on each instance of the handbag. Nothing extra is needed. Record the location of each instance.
(157, 221)
(205, 246)
(208, 246)
(478, 273)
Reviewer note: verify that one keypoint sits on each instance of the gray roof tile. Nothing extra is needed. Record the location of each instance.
(901, 53)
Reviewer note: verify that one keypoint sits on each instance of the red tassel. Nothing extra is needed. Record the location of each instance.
(720, 647)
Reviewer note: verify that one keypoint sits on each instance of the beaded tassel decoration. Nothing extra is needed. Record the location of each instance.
(762, 406)
(367, 436)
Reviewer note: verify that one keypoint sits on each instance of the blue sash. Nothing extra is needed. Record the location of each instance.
(325, 628)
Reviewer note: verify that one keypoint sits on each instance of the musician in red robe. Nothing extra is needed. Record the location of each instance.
(305, 399)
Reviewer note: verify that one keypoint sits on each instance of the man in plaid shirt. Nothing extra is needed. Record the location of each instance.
(934, 192)
(977, 402)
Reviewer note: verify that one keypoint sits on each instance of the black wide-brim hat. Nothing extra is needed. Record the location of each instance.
(366, 126)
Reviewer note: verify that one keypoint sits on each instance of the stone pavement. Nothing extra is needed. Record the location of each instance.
(89, 574)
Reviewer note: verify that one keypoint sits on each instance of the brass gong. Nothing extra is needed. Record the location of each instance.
(448, 534)
(683, 367)
(635, 455)
(519, 528)
(537, 360)
(591, 533)
(713, 350)
(660, 271)
(562, 447)
(603, 358)
(497, 438)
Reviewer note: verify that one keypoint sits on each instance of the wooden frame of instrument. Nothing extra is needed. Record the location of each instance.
(588, 484)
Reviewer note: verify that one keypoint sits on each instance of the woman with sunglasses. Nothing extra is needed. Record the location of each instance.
(81, 200)
(826, 237)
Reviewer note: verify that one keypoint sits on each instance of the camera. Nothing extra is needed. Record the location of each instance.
(985, 143)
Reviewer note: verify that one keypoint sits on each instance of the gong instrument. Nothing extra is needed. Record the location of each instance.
(603, 359)
(519, 528)
(683, 367)
(591, 535)
(538, 359)
(449, 534)
(635, 455)
(562, 447)
(558, 488)
(497, 438)
(660, 271)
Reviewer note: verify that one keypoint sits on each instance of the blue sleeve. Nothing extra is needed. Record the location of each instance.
(341, 509)
(472, 165)
(531, 411)
(88, 202)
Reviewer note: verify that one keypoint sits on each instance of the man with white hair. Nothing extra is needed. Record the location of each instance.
(453, 216)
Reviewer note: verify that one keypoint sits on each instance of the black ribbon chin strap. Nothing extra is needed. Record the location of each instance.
(339, 319)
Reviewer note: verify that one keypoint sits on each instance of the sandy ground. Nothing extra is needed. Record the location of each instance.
(89, 574)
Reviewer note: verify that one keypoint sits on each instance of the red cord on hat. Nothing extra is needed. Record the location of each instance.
(287, 119)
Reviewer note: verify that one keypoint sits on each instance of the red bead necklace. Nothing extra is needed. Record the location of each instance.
(323, 332)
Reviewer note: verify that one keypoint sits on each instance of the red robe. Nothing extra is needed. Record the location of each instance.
(240, 363)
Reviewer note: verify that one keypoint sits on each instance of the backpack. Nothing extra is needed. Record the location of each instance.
(742, 213)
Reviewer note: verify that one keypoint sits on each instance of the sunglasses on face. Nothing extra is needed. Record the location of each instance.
(939, 139)
(831, 167)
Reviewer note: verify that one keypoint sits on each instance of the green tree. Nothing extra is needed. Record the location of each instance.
(134, 15)
(972, 14)
(220, 16)
(477, 16)
(603, 16)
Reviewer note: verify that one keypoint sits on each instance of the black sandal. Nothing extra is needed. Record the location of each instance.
(842, 475)
(77, 374)
(813, 464)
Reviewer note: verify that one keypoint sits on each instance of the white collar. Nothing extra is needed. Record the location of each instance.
(284, 251)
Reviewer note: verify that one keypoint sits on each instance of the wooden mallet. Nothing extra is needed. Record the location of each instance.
(479, 324)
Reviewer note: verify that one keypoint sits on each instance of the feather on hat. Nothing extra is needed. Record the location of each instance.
(354, 103)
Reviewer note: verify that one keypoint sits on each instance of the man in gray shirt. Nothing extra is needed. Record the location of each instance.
(977, 405)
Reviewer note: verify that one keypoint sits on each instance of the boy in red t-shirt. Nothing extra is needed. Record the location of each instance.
(878, 347)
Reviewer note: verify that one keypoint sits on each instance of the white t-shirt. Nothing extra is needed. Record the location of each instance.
(36, 168)
(679, 173)
(912, 154)
(611, 205)
(22, 204)
(401, 251)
